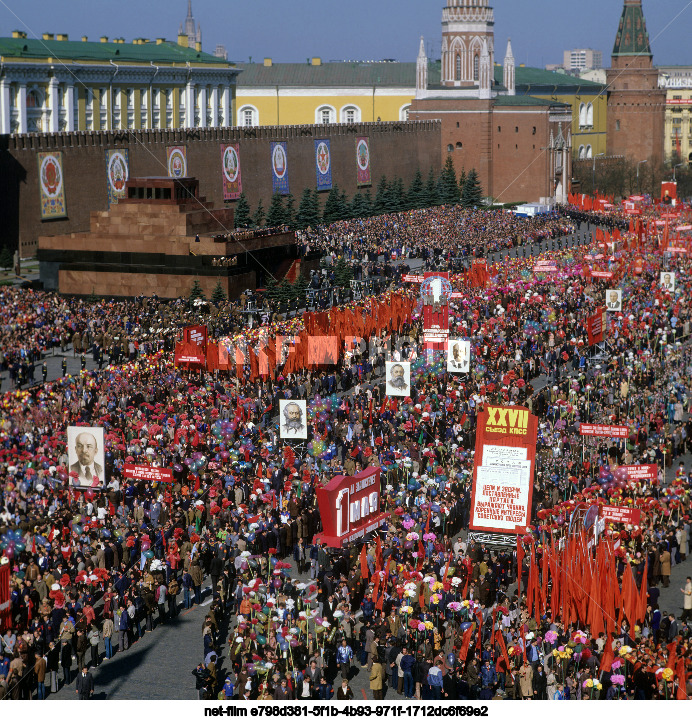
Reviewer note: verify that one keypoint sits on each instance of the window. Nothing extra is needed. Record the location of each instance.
(516, 128)
(350, 114)
(534, 130)
(450, 148)
(457, 67)
(589, 115)
(499, 128)
(459, 145)
(404, 111)
(248, 116)
(589, 152)
(33, 100)
(582, 115)
(325, 114)
(582, 152)
(476, 72)
(617, 125)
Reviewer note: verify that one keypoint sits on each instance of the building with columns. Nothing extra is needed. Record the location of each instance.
(514, 141)
(59, 85)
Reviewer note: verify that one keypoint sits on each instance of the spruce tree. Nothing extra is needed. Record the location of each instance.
(304, 210)
(284, 291)
(271, 289)
(344, 207)
(431, 189)
(414, 197)
(275, 214)
(343, 273)
(195, 292)
(473, 193)
(381, 197)
(242, 216)
(462, 182)
(218, 296)
(299, 289)
(331, 207)
(448, 188)
(258, 217)
(367, 204)
(290, 211)
(357, 206)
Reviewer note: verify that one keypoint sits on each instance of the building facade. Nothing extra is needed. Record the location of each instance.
(575, 61)
(510, 138)
(636, 104)
(676, 80)
(58, 85)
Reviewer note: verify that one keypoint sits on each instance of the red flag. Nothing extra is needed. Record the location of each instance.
(681, 693)
(608, 655)
(364, 570)
(465, 643)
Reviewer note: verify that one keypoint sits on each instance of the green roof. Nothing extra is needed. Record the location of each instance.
(388, 74)
(526, 100)
(632, 37)
(166, 52)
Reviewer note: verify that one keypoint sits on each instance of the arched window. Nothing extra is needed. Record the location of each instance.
(589, 152)
(33, 99)
(459, 145)
(403, 112)
(324, 115)
(248, 116)
(457, 66)
(450, 148)
(350, 114)
(476, 67)
(582, 152)
(589, 114)
(582, 115)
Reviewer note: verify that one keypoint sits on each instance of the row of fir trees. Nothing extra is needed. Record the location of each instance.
(390, 197)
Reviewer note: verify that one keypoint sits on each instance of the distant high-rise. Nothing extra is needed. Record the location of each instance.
(221, 52)
(189, 28)
(582, 59)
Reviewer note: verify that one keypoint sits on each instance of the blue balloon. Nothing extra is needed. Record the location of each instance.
(465, 625)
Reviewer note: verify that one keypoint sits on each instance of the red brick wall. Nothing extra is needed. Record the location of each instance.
(397, 149)
(512, 166)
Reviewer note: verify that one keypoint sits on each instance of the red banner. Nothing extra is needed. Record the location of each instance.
(190, 354)
(350, 507)
(601, 274)
(595, 325)
(644, 472)
(590, 429)
(148, 473)
(621, 514)
(505, 460)
(5, 598)
(196, 335)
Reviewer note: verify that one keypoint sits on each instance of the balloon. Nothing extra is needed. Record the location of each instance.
(148, 553)
(465, 625)
(146, 545)
(177, 468)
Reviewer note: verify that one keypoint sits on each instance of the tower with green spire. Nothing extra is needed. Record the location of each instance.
(636, 105)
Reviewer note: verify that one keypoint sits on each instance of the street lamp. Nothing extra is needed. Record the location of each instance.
(593, 171)
(679, 165)
(641, 162)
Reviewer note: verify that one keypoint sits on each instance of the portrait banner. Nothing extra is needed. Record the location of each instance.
(86, 456)
(323, 164)
(458, 355)
(293, 424)
(51, 186)
(614, 300)
(398, 378)
(363, 161)
(668, 280)
(117, 173)
(230, 171)
(279, 168)
(177, 161)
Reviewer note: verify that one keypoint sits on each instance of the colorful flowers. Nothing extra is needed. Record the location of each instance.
(617, 679)
(550, 636)
(406, 610)
(413, 536)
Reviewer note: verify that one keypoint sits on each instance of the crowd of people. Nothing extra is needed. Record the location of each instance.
(425, 611)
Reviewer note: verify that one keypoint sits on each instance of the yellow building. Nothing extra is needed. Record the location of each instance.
(272, 93)
(677, 80)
